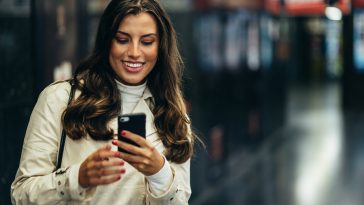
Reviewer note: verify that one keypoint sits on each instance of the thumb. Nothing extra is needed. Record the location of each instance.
(106, 147)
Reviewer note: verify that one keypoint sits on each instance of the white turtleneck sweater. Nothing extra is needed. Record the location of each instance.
(130, 96)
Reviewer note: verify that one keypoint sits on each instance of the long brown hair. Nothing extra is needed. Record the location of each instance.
(99, 101)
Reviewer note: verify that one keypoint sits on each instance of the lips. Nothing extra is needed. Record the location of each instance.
(133, 67)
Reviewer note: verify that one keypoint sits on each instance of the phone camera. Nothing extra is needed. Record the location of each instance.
(124, 119)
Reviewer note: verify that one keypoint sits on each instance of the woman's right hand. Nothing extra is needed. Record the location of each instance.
(101, 167)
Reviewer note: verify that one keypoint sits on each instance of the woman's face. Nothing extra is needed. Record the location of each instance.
(134, 49)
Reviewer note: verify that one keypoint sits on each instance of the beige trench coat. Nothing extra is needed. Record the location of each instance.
(36, 182)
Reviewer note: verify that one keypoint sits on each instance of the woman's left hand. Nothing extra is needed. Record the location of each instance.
(145, 158)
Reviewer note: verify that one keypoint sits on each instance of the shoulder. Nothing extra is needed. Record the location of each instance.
(56, 92)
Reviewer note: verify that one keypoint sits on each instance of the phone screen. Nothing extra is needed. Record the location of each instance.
(134, 123)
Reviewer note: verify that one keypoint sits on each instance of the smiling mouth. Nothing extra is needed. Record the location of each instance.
(133, 67)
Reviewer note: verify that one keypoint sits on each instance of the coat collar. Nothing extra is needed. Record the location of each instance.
(143, 106)
(147, 94)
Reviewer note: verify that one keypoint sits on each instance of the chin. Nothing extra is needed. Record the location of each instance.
(134, 82)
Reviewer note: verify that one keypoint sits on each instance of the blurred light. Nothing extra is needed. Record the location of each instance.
(333, 13)
(320, 151)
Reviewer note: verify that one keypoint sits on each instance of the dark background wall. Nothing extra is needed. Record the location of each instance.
(16, 88)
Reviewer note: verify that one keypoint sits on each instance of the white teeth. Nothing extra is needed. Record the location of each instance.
(133, 65)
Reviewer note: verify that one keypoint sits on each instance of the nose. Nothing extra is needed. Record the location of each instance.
(134, 50)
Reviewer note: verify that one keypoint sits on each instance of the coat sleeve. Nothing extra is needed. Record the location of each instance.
(36, 182)
(179, 191)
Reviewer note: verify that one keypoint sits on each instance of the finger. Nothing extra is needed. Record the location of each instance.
(105, 172)
(105, 180)
(103, 154)
(146, 152)
(130, 148)
(106, 147)
(130, 158)
(141, 141)
(104, 164)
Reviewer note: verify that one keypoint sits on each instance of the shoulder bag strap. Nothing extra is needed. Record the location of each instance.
(63, 135)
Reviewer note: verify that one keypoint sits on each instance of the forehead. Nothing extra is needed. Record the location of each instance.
(139, 24)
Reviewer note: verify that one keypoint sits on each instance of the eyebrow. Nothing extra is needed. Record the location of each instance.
(145, 35)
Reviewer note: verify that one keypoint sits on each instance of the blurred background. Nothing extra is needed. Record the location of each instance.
(274, 88)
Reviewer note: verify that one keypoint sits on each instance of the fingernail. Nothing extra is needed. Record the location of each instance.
(123, 133)
(122, 171)
(119, 178)
(114, 142)
(121, 163)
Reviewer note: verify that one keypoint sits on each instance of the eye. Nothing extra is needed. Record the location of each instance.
(122, 40)
(147, 43)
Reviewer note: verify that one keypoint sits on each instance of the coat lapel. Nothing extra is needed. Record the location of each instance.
(142, 107)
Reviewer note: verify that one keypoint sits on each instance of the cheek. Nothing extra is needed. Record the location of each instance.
(153, 54)
(117, 50)
(114, 56)
(114, 51)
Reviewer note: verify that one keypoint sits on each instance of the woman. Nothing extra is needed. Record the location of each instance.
(135, 67)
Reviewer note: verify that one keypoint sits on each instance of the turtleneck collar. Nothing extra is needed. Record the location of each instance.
(131, 93)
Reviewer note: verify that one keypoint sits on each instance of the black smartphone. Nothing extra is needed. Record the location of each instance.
(134, 123)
